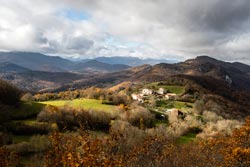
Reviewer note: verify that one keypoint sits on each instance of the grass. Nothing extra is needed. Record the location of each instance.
(187, 138)
(173, 104)
(21, 138)
(31, 121)
(26, 110)
(83, 104)
(171, 88)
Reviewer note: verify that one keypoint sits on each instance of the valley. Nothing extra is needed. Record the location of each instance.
(177, 106)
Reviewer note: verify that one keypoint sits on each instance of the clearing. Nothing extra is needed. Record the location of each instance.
(83, 104)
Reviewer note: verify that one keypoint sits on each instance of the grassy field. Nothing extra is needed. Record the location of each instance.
(173, 104)
(26, 110)
(187, 138)
(83, 104)
(21, 138)
(171, 88)
(31, 121)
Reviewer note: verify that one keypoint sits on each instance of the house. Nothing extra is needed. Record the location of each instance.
(138, 97)
(170, 96)
(173, 110)
(147, 91)
(141, 100)
(134, 96)
(175, 113)
(161, 91)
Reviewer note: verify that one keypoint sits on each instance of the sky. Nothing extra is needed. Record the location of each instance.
(166, 29)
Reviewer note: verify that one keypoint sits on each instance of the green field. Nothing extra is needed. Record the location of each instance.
(83, 104)
(171, 88)
(173, 104)
(21, 138)
(31, 121)
(26, 110)
(187, 138)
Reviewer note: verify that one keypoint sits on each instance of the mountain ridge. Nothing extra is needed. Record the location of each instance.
(40, 62)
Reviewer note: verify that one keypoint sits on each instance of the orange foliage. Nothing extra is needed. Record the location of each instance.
(7, 158)
(84, 150)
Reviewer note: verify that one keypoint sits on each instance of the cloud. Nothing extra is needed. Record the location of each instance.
(145, 28)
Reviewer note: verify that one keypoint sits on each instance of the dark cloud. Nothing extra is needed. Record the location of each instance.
(221, 16)
(79, 43)
(178, 28)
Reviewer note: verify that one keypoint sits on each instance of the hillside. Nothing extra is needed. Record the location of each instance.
(94, 65)
(43, 81)
(41, 62)
(132, 61)
(36, 61)
(12, 68)
(235, 76)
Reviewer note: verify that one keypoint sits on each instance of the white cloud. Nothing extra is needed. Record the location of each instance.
(144, 28)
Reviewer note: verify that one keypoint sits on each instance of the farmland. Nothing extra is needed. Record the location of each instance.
(82, 104)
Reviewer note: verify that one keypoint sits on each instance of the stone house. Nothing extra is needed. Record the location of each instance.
(161, 91)
(170, 96)
(147, 91)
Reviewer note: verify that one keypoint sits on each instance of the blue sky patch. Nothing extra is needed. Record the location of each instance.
(73, 14)
(118, 42)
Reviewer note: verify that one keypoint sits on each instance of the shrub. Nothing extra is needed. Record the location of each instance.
(221, 126)
(36, 144)
(67, 117)
(138, 116)
(8, 158)
(20, 128)
(199, 106)
(5, 139)
(9, 94)
(209, 116)
(27, 97)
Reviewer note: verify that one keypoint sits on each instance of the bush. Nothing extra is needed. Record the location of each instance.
(20, 128)
(5, 139)
(209, 116)
(221, 126)
(67, 117)
(36, 144)
(8, 158)
(27, 97)
(138, 116)
(9, 94)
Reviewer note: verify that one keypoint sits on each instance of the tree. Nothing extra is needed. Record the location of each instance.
(27, 97)
(9, 94)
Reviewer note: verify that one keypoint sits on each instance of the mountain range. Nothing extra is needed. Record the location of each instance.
(38, 72)
(233, 75)
(132, 61)
(41, 62)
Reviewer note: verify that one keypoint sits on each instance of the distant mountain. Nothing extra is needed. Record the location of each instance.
(24, 69)
(94, 65)
(43, 81)
(41, 62)
(233, 75)
(10, 67)
(132, 61)
(38, 72)
(37, 61)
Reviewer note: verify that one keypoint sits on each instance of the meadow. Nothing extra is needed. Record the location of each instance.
(171, 88)
(82, 104)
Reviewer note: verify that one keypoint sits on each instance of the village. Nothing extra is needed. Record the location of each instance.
(159, 95)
